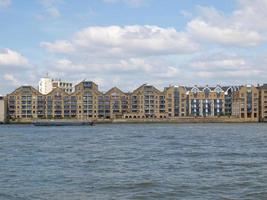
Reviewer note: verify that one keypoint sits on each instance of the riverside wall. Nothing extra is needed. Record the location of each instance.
(168, 120)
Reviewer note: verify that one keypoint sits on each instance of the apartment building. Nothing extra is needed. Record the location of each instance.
(175, 101)
(228, 99)
(246, 103)
(47, 84)
(145, 102)
(64, 85)
(87, 95)
(263, 103)
(207, 101)
(117, 102)
(24, 103)
(2, 109)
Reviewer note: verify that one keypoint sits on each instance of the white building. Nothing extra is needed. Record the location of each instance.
(2, 110)
(47, 84)
(66, 86)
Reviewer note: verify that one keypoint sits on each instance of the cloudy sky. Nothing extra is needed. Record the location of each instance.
(130, 42)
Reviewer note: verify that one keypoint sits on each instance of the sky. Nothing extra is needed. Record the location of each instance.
(126, 43)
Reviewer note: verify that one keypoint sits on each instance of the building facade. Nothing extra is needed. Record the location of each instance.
(175, 101)
(47, 84)
(206, 102)
(66, 86)
(145, 102)
(263, 103)
(2, 109)
(24, 103)
(246, 103)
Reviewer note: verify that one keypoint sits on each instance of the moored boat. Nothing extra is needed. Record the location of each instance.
(62, 123)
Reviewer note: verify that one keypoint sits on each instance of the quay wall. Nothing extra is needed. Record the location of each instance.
(168, 120)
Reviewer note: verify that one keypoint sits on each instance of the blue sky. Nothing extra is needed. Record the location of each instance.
(130, 42)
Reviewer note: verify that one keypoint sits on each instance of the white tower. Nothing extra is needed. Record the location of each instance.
(45, 85)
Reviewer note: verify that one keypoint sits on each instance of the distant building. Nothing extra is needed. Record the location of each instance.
(2, 109)
(263, 103)
(206, 101)
(66, 86)
(47, 84)
(247, 103)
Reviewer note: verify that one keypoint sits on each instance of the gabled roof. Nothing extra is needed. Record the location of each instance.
(206, 88)
(218, 88)
(142, 86)
(32, 89)
(195, 89)
(115, 89)
(264, 86)
(58, 89)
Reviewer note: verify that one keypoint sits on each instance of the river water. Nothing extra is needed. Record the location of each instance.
(137, 161)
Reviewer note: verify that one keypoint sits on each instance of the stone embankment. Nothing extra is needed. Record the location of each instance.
(169, 120)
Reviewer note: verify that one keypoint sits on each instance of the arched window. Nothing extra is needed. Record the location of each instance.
(218, 91)
(206, 91)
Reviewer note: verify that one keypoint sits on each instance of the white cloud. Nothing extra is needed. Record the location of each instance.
(186, 13)
(12, 59)
(244, 27)
(251, 14)
(134, 3)
(59, 46)
(224, 63)
(53, 12)
(121, 73)
(220, 62)
(224, 35)
(5, 3)
(11, 79)
(127, 41)
(50, 9)
(221, 68)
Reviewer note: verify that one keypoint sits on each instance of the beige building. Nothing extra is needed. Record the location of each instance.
(87, 95)
(175, 101)
(207, 101)
(263, 103)
(2, 109)
(246, 103)
(24, 103)
(117, 101)
(146, 102)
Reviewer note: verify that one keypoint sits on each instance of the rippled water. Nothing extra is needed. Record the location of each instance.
(153, 161)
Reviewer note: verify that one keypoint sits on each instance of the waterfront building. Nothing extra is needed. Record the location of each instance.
(228, 100)
(24, 103)
(246, 103)
(47, 84)
(116, 101)
(175, 101)
(87, 95)
(58, 105)
(145, 102)
(2, 109)
(64, 85)
(204, 102)
(263, 103)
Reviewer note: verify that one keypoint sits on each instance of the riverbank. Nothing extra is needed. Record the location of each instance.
(146, 121)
